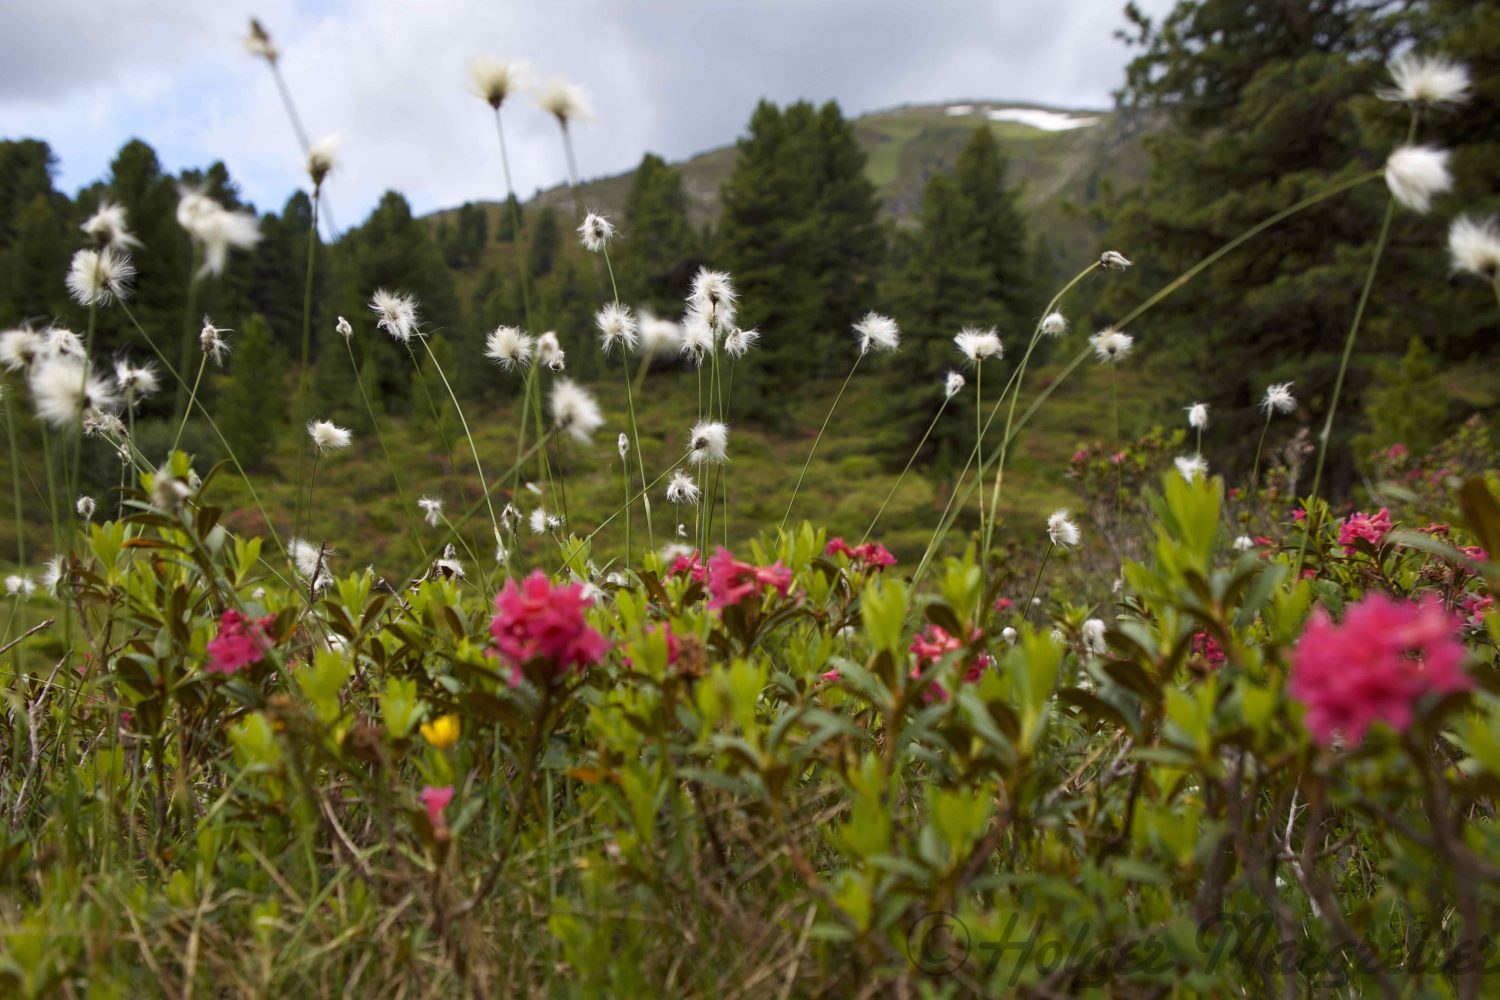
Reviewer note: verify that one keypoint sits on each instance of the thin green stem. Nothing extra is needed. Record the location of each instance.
(803, 474)
(1338, 382)
(979, 452)
(1026, 611)
(189, 319)
(15, 477)
(1114, 405)
(192, 397)
(359, 382)
(473, 450)
(307, 297)
(635, 435)
(1254, 490)
(905, 469)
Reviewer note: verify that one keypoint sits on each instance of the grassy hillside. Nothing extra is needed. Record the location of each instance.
(1061, 172)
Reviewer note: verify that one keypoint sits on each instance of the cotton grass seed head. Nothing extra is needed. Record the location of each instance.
(344, 328)
(99, 277)
(596, 232)
(877, 332)
(574, 410)
(708, 442)
(432, 510)
(1111, 260)
(258, 43)
(622, 443)
(737, 342)
(976, 345)
(215, 229)
(322, 158)
(1474, 247)
(616, 326)
(85, 507)
(63, 389)
(1111, 346)
(493, 80)
(327, 436)
(1054, 324)
(21, 348)
(1426, 80)
(213, 343)
(1278, 399)
(549, 352)
(565, 101)
(953, 383)
(697, 336)
(136, 382)
(397, 314)
(1415, 174)
(658, 336)
(107, 227)
(1191, 467)
(509, 347)
(1061, 529)
(681, 489)
(62, 342)
(713, 298)
(1197, 416)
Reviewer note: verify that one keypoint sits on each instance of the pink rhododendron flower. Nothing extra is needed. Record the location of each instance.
(1371, 527)
(931, 645)
(1475, 607)
(537, 621)
(872, 554)
(1117, 458)
(240, 642)
(1436, 530)
(1004, 604)
(830, 675)
(1375, 665)
(1081, 455)
(1299, 515)
(1208, 647)
(731, 581)
(1396, 452)
(690, 567)
(435, 800)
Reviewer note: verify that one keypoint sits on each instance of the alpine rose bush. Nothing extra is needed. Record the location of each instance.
(1375, 666)
(538, 622)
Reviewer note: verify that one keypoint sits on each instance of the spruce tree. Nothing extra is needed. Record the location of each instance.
(655, 266)
(252, 404)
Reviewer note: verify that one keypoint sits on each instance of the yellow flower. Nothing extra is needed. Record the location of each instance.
(441, 732)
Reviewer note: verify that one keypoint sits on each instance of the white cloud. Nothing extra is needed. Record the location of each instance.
(670, 76)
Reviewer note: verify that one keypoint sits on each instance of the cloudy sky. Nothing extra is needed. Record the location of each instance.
(670, 76)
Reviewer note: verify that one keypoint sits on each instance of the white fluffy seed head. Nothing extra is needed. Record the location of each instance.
(877, 332)
(708, 442)
(1112, 260)
(1191, 467)
(1244, 543)
(493, 80)
(681, 489)
(1054, 324)
(713, 296)
(62, 391)
(432, 510)
(1474, 247)
(953, 383)
(99, 277)
(1415, 174)
(85, 507)
(1111, 346)
(596, 232)
(623, 444)
(213, 342)
(1010, 635)
(1197, 416)
(328, 436)
(258, 43)
(574, 410)
(21, 348)
(216, 229)
(107, 227)
(397, 314)
(1429, 80)
(19, 585)
(697, 335)
(616, 326)
(565, 101)
(344, 328)
(509, 347)
(136, 382)
(62, 342)
(658, 336)
(322, 158)
(1061, 529)
(539, 521)
(976, 345)
(737, 342)
(549, 352)
(1279, 399)
(1093, 636)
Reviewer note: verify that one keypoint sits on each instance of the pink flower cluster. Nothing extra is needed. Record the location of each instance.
(1374, 666)
(872, 554)
(731, 581)
(539, 622)
(241, 641)
(931, 645)
(1208, 647)
(435, 800)
(689, 566)
(1371, 527)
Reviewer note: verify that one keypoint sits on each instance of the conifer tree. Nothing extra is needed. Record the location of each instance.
(252, 404)
(656, 265)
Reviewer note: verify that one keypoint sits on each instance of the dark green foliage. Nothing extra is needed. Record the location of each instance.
(252, 405)
(1404, 405)
(545, 241)
(799, 234)
(656, 261)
